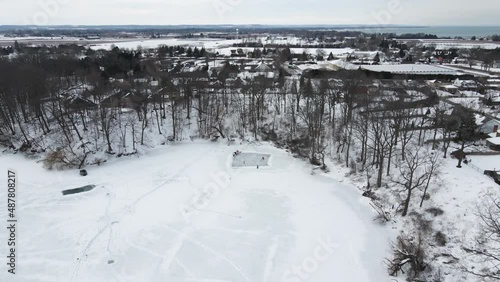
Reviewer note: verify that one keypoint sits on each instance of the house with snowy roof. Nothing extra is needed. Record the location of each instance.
(364, 58)
(489, 126)
(263, 69)
(469, 85)
(492, 98)
(494, 142)
(124, 99)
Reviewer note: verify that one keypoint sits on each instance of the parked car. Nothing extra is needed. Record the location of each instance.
(493, 174)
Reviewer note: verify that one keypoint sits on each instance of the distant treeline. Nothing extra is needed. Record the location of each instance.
(282, 46)
(170, 51)
(414, 36)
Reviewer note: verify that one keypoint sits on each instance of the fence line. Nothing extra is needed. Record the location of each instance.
(475, 167)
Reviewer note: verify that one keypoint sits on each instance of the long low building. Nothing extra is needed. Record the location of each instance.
(411, 69)
(447, 44)
(462, 45)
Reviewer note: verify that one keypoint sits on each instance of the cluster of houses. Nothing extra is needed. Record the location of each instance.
(488, 87)
(238, 68)
(363, 58)
(149, 90)
(487, 93)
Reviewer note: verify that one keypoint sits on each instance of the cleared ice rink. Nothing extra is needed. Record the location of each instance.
(243, 159)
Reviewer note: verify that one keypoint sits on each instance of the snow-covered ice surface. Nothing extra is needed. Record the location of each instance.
(182, 213)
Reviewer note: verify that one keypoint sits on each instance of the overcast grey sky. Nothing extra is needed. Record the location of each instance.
(158, 12)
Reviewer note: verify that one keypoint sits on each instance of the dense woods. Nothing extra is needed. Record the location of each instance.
(115, 101)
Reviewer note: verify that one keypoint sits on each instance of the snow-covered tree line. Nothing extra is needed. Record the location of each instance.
(79, 112)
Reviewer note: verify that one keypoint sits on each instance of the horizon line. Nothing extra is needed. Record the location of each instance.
(252, 24)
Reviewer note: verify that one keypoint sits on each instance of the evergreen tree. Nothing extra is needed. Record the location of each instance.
(257, 53)
(304, 56)
(467, 131)
(17, 48)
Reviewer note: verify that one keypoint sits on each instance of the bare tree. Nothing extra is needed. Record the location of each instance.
(487, 248)
(432, 170)
(408, 253)
(413, 174)
(381, 137)
(312, 112)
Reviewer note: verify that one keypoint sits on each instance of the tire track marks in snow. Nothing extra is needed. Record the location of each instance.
(170, 180)
(183, 236)
(108, 224)
(171, 254)
(83, 254)
(270, 260)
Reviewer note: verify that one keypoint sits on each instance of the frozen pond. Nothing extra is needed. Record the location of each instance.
(250, 159)
(183, 214)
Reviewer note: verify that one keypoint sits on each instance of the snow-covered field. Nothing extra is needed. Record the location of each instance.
(461, 193)
(222, 46)
(313, 51)
(155, 43)
(183, 213)
(35, 38)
